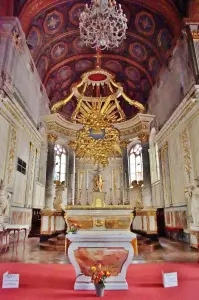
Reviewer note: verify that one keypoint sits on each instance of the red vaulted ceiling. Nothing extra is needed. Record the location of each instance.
(51, 27)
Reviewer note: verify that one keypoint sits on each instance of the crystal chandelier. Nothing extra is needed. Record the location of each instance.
(103, 25)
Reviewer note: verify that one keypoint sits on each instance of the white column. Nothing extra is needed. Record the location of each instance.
(50, 190)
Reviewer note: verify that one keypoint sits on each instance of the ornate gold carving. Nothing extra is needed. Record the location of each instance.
(11, 155)
(98, 183)
(107, 207)
(108, 104)
(98, 150)
(17, 40)
(195, 35)
(52, 137)
(143, 137)
(119, 222)
(99, 223)
(187, 153)
(142, 127)
(18, 119)
(60, 129)
(83, 222)
(49, 212)
(31, 146)
(37, 153)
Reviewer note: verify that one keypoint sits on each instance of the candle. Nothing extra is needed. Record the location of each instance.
(87, 180)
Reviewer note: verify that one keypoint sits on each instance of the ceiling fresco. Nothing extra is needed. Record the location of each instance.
(51, 27)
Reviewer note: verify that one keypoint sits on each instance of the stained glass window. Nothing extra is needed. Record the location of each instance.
(60, 163)
(136, 164)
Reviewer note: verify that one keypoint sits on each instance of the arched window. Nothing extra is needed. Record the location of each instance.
(60, 163)
(136, 163)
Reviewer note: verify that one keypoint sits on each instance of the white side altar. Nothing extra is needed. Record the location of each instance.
(104, 237)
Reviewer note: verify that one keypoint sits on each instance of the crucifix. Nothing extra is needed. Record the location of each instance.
(98, 58)
(98, 180)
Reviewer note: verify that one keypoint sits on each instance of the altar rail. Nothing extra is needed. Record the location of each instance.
(51, 222)
(145, 221)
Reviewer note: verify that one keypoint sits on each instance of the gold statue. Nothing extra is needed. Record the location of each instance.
(98, 183)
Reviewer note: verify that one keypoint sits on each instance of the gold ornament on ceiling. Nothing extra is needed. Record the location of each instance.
(98, 88)
(98, 108)
(98, 144)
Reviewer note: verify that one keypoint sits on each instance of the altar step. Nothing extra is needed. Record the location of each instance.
(145, 242)
(54, 243)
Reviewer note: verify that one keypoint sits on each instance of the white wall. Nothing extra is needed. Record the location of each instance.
(112, 177)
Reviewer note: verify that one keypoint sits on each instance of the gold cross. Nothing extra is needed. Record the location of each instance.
(98, 57)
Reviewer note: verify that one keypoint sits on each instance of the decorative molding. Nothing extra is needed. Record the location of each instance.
(31, 180)
(31, 146)
(135, 126)
(182, 114)
(187, 154)
(195, 35)
(20, 119)
(143, 137)
(11, 157)
(60, 129)
(163, 150)
(49, 213)
(52, 137)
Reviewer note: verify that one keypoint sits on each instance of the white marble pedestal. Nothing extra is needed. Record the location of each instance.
(112, 249)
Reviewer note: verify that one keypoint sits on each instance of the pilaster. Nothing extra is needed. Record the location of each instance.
(50, 189)
(146, 189)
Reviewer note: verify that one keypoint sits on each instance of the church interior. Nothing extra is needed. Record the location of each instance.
(99, 148)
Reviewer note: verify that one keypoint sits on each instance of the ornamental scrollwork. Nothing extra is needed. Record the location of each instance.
(187, 154)
(11, 155)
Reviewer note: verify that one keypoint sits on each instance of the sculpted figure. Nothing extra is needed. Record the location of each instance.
(195, 202)
(4, 203)
(98, 183)
(137, 195)
(58, 195)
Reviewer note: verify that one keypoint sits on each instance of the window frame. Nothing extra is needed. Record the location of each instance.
(133, 174)
(59, 175)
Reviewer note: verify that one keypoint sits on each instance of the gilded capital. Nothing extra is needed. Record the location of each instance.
(52, 137)
(143, 137)
(195, 34)
(31, 146)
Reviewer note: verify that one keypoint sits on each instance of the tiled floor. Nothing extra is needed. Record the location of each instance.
(169, 251)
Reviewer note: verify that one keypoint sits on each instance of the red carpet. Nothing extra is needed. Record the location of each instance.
(46, 282)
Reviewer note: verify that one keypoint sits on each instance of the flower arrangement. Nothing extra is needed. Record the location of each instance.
(73, 228)
(99, 275)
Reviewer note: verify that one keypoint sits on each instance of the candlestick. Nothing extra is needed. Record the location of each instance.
(125, 181)
(87, 203)
(87, 180)
(110, 203)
